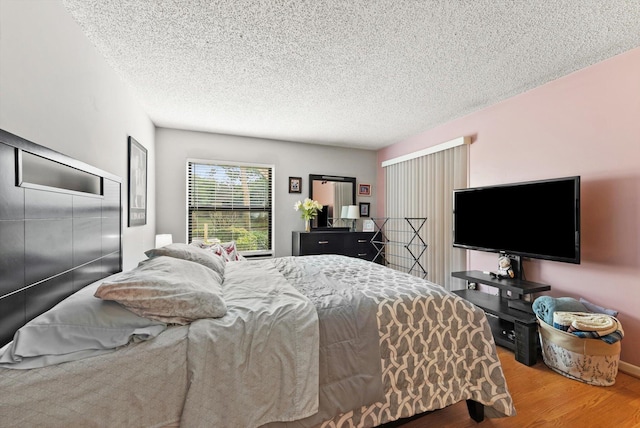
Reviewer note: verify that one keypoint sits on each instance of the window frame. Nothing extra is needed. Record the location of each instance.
(216, 162)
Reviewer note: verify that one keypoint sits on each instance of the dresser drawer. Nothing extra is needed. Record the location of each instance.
(321, 243)
(358, 240)
(358, 244)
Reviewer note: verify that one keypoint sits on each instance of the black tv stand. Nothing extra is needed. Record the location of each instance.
(513, 324)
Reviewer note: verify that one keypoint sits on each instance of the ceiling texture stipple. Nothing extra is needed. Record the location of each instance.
(353, 73)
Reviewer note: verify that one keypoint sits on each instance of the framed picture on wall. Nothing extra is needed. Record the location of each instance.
(364, 189)
(364, 209)
(137, 183)
(295, 185)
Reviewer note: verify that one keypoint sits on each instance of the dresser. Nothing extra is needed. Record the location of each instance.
(353, 244)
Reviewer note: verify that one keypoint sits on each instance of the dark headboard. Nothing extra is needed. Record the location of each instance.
(60, 229)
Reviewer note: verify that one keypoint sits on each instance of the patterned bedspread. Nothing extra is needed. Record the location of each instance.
(436, 348)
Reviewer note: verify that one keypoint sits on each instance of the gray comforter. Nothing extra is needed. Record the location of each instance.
(258, 363)
(305, 339)
(350, 371)
(274, 359)
(436, 348)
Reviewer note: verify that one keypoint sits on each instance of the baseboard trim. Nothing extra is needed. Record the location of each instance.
(629, 369)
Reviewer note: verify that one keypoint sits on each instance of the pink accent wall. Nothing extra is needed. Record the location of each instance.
(587, 124)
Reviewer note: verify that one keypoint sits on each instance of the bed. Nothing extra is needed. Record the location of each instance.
(307, 341)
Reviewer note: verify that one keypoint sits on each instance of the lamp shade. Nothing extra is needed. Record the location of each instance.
(352, 212)
(163, 239)
(345, 210)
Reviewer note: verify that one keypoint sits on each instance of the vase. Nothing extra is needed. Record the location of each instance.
(307, 225)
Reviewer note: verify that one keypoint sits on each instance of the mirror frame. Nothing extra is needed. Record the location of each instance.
(338, 179)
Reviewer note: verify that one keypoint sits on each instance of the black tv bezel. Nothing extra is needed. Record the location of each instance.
(577, 232)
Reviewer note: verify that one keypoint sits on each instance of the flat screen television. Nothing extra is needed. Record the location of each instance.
(536, 219)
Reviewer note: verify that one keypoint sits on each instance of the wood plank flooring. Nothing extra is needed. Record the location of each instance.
(544, 398)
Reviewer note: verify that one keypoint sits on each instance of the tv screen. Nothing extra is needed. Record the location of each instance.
(537, 219)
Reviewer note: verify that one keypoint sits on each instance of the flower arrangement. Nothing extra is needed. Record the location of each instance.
(308, 210)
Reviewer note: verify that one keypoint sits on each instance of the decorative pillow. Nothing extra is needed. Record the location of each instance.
(78, 327)
(227, 250)
(167, 289)
(193, 254)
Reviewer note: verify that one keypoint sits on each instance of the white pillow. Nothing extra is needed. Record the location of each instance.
(80, 326)
(167, 289)
(191, 253)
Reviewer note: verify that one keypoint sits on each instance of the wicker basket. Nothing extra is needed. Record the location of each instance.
(592, 361)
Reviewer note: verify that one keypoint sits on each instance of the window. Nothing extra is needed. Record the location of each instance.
(231, 202)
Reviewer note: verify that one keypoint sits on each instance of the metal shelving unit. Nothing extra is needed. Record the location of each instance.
(398, 243)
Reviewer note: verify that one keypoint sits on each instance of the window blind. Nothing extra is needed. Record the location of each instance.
(423, 187)
(231, 202)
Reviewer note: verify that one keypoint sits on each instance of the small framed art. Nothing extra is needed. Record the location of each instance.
(364, 209)
(137, 183)
(368, 226)
(295, 185)
(364, 189)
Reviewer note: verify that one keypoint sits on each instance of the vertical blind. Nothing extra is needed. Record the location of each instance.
(423, 187)
(231, 202)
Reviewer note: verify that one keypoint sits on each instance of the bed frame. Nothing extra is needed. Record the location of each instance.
(60, 229)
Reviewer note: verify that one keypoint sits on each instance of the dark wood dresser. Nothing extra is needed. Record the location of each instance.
(352, 244)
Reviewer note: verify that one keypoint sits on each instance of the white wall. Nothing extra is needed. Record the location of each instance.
(173, 147)
(57, 90)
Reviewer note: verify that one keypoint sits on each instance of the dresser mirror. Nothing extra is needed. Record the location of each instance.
(333, 192)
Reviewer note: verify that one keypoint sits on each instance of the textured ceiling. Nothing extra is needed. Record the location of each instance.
(357, 73)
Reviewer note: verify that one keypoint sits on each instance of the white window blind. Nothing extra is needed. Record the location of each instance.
(423, 187)
(231, 202)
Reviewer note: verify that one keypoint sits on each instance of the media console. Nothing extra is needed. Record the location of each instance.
(511, 319)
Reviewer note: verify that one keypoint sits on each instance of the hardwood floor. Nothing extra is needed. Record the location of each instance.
(544, 398)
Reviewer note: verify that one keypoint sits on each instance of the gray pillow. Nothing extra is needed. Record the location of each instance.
(80, 326)
(191, 253)
(167, 289)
